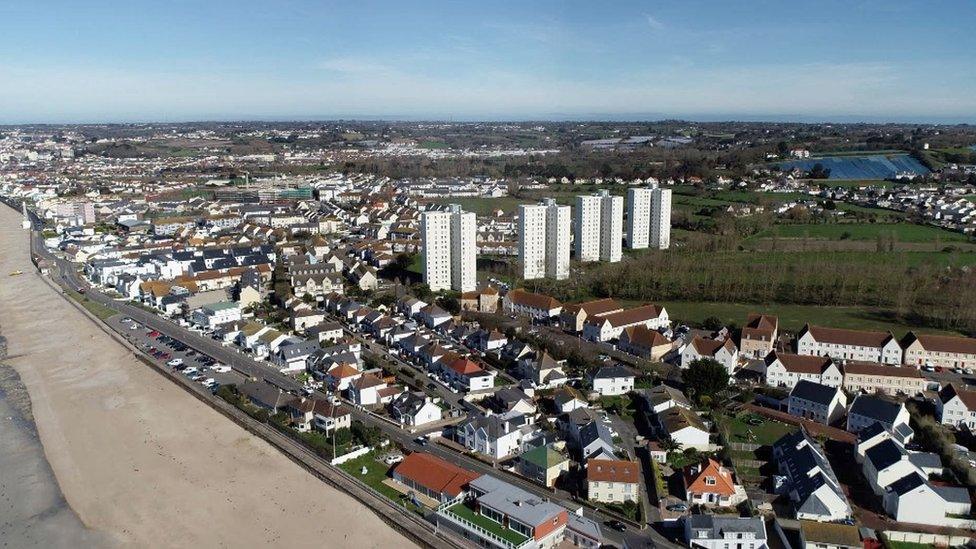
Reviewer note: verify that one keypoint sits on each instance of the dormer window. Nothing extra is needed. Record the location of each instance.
(710, 481)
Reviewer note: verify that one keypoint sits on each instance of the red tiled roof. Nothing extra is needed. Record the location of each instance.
(630, 316)
(465, 366)
(858, 338)
(435, 474)
(611, 470)
(803, 364)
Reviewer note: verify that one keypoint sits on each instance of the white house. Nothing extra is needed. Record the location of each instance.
(811, 483)
(493, 435)
(956, 407)
(867, 410)
(785, 370)
(817, 402)
(214, 314)
(843, 344)
(684, 427)
(609, 326)
(913, 499)
(724, 352)
(613, 380)
(414, 409)
(709, 531)
(537, 306)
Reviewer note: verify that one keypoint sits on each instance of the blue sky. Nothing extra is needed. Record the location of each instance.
(211, 59)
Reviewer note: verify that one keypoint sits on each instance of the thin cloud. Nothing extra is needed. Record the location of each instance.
(653, 22)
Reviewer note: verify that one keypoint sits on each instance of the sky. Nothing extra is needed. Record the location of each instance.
(875, 60)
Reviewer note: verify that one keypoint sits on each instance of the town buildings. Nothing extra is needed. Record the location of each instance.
(939, 351)
(449, 249)
(544, 234)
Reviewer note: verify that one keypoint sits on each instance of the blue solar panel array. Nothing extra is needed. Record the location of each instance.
(861, 167)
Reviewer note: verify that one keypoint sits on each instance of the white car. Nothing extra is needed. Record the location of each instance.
(393, 459)
(175, 362)
(209, 382)
(220, 368)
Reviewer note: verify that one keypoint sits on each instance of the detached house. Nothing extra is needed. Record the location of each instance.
(612, 481)
(811, 483)
(759, 335)
(724, 352)
(867, 410)
(711, 484)
(414, 408)
(725, 531)
(613, 380)
(816, 402)
(492, 435)
(843, 344)
(465, 374)
(433, 477)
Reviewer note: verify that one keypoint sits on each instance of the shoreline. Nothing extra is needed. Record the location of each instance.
(137, 458)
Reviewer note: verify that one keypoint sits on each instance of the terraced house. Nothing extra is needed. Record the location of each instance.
(941, 351)
(871, 377)
(609, 326)
(843, 344)
(786, 370)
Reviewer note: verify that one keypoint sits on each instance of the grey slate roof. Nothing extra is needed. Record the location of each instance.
(814, 392)
(877, 408)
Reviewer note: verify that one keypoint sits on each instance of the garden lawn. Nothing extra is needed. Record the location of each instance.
(765, 433)
(375, 474)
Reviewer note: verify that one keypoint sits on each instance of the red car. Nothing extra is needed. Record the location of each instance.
(938, 368)
(164, 356)
(153, 333)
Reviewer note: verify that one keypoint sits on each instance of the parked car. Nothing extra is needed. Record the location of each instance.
(175, 362)
(393, 459)
(616, 525)
(678, 507)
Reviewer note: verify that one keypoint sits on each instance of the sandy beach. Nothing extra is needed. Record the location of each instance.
(139, 461)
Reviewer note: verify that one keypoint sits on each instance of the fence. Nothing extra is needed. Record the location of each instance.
(943, 540)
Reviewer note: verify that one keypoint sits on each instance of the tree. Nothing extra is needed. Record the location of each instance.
(712, 323)
(668, 444)
(705, 378)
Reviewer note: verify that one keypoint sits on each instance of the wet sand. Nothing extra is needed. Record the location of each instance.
(139, 461)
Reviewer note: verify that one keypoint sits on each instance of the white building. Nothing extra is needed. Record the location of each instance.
(725, 531)
(638, 217)
(599, 227)
(843, 344)
(816, 402)
(449, 249)
(956, 407)
(215, 314)
(660, 218)
(544, 235)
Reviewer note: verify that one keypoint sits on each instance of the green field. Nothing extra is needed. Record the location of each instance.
(486, 206)
(792, 317)
(902, 232)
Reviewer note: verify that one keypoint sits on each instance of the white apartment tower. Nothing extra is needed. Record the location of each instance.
(648, 217)
(599, 227)
(587, 227)
(449, 249)
(544, 240)
(611, 227)
(660, 218)
(638, 217)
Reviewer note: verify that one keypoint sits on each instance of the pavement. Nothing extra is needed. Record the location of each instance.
(66, 274)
